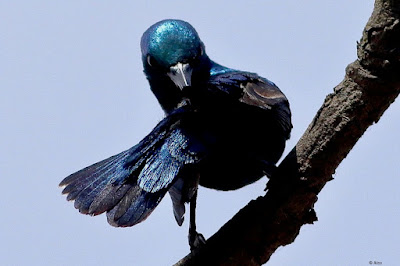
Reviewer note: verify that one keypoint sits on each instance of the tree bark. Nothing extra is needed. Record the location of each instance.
(371, 84)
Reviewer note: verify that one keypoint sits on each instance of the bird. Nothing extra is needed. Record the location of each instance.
(223, 129)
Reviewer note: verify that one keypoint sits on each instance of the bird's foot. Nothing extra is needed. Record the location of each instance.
(196, 240)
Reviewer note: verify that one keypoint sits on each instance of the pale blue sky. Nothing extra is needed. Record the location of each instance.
(73, 93)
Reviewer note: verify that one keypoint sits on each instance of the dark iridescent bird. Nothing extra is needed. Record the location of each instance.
(224, 129)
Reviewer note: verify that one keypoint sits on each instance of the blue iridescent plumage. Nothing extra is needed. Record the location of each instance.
(223, 129)
(165, 165)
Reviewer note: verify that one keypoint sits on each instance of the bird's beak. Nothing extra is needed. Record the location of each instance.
(181, 75)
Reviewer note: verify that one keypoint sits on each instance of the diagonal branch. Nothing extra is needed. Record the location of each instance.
(371, 84)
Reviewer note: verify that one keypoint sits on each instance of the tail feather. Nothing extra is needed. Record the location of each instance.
(178, 204)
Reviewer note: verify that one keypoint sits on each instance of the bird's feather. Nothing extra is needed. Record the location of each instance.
(224, 129)
(130, 185)
(251, 89)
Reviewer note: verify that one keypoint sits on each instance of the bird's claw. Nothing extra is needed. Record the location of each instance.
(196, 240)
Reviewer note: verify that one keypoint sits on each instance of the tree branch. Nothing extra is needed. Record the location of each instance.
(371, 84)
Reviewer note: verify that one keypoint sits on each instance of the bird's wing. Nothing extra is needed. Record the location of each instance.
(129, 185)
(251, 89)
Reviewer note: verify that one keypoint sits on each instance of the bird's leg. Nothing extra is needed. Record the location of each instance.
(195, 239)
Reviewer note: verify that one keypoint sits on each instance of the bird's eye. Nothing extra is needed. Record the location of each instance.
(201, 52)
(151, 61)
(198, 55)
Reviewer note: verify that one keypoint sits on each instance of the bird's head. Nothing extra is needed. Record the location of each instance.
(172, 49)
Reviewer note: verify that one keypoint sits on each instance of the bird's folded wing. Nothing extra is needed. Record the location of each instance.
(254, 90)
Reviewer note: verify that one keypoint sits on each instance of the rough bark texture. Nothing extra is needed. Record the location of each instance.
(371, 84)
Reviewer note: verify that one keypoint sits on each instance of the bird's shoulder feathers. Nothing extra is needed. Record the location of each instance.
(251, 89)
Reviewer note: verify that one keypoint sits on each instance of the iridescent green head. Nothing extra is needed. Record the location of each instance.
(171, 41)
(173, 48)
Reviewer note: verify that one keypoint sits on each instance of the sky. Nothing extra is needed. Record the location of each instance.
(72, 92)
